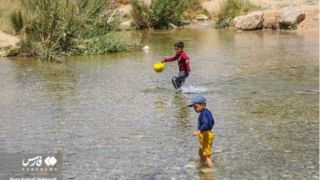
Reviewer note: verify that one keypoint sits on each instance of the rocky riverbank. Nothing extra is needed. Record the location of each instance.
(289, 18)
(290, 15)
(7, 44)
(298, 15)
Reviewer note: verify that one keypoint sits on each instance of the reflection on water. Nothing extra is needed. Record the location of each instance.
(113, 117)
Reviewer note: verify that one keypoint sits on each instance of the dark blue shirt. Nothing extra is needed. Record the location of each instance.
(205, 120)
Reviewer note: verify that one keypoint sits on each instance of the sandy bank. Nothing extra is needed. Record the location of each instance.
(7, 40)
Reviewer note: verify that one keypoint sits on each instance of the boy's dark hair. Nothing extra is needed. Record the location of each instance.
(179, 44)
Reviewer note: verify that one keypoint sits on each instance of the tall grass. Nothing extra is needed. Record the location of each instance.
(159, 13)
(56, 27)
(6, 9)
(231, 9)
(17, 21)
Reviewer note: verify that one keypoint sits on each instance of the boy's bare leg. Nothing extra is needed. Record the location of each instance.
(202, 158)
(209, 162)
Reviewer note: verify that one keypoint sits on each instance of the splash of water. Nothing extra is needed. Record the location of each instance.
(190, 89)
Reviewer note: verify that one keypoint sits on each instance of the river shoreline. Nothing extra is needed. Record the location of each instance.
(270, 17)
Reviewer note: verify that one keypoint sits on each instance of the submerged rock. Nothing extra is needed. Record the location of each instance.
(219, 150)
(251, 21)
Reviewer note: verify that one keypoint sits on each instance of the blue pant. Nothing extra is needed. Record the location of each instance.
(178, 80)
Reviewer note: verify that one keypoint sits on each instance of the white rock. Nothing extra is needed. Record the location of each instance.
(292, 17)
(201, 17)
(251, 21)
(146, 47)
(126, 24)
(172, 26)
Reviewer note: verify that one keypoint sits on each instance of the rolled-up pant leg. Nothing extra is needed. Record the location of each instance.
(181, 78)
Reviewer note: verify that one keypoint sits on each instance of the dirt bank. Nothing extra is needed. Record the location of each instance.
(7, 40)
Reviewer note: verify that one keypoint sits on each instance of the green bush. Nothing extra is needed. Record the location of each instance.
(17, 21)
(111, 42)
(231, 9)
(141, 15)
(28, 48)
(48, 53)
(58, 26)
(159, 14)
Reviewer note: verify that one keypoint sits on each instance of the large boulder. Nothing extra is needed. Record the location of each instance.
(312, 19)
(251, 21)
(290, 18)
(271, 19)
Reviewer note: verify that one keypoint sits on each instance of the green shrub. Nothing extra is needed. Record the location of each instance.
(28, 48)
(49, 53)
(16, 21)
(159, 14)
(231, 9)
(58, 26)
(111, 42)
(141, 15)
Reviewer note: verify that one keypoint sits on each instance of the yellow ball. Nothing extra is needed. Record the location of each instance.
(162, 65)
(158, 67)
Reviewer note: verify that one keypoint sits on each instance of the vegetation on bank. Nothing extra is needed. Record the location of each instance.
(232, 8)
(164, 13)
(52, 28)
(158, 14)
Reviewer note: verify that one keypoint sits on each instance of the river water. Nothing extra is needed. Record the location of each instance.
(113, 117)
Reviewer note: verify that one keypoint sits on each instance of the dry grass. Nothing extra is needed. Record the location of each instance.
(6, 8)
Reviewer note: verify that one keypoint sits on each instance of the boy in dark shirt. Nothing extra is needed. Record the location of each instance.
(183, 63)
(205, 125)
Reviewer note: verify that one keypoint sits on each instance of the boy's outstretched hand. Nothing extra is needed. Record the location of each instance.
(195, 133)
